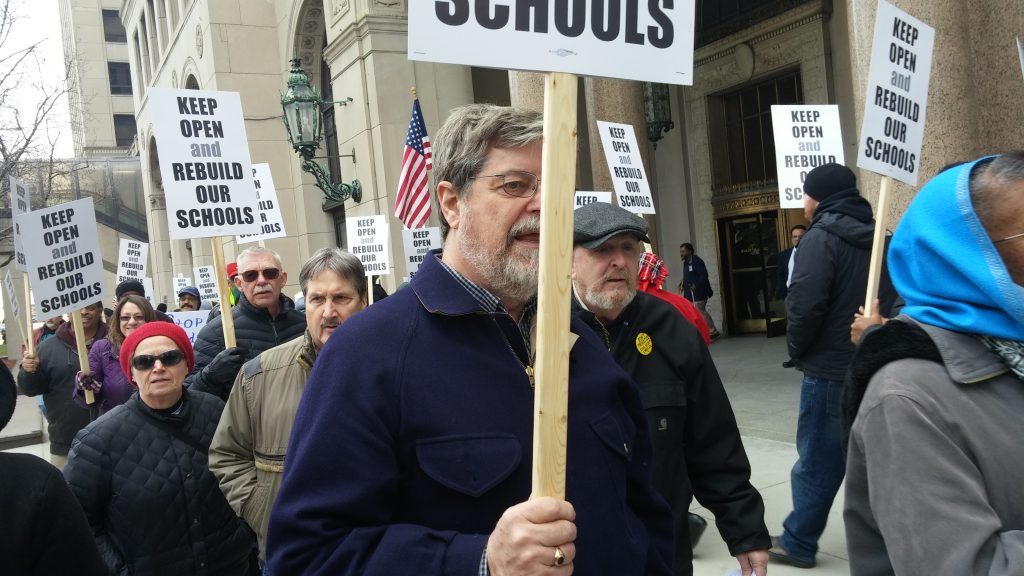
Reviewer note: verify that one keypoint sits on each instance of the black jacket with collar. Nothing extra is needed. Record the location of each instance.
(830, 275)
(697, 446)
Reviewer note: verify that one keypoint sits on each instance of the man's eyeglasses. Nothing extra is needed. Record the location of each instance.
(516, 184)
(1008, 238)
(144, 362)
(268, 273)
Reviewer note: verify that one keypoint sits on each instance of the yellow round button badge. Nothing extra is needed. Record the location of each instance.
(644, 344)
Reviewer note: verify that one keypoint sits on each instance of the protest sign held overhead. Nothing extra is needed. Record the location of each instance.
(627, 169)
(897, 95)
(20, 203)
(147, 283)
(132, 257)
(204, 163)
(368, 241)
(584, 198)
(270, 218)
(649, 41)
(206, 282)
(417, 243)
(63, 255)
(805, 137)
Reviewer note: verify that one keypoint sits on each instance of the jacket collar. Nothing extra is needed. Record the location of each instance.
(440, 293)
(306, 355)
(966, 357)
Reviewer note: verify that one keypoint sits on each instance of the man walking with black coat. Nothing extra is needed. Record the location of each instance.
(828, 284)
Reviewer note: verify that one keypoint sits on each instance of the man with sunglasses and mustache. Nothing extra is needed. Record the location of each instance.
(412, 448)
(248, 451)
(697, 446)
(263, 317)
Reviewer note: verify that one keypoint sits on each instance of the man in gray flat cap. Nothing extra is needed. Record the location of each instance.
(697, 446)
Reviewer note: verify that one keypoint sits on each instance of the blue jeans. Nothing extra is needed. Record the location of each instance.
(819, 468)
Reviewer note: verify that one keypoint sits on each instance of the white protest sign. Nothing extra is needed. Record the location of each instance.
(63, 253)
(132, 257)
(633, 40)
(417, 243)
(21, 202)
(147, 283)
(805, 137)
(12, 295)
(627, 169)
(206, 282)
(180, 282)
(204, 163)
(271, 219)
(894, 111)
(368, 241)
(583, 198)
(191, 322)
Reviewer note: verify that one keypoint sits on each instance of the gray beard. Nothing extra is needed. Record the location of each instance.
(601, 301)
(509, 276)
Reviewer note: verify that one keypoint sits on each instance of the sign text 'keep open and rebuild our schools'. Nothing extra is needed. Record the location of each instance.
(132, 257)
(271, 219)
(805, 137)
(418, 242)
(897, 95)
(368, 241)
(626, 166)
(204, 163)
(63, 253)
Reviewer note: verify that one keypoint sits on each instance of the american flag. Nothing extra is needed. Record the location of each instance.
(412, 206)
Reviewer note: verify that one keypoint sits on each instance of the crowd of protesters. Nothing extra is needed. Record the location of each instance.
(396, 438)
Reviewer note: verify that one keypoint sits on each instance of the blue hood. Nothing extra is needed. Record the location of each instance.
(944, 265)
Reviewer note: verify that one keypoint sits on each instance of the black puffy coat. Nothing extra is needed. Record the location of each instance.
(830, 276)
(255, 332)
(151, 500)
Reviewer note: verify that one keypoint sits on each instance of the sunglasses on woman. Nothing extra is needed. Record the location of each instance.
(268, 273)
(147, 361)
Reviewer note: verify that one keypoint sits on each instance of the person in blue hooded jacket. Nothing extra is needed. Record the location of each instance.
(936, 465)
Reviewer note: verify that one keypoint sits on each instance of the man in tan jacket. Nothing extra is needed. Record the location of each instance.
(248, 450)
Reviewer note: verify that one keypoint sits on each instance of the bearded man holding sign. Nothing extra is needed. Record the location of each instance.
(412, 447)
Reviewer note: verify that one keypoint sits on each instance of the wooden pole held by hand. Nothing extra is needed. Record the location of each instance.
(877, 245)
(223, 292)
(30, 341)
(551, 399)
(83, 352)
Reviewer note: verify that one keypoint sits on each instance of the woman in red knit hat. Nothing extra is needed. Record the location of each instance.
(141, 474)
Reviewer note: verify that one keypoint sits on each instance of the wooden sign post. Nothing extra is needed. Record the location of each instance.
(83, 352)
(223, 293)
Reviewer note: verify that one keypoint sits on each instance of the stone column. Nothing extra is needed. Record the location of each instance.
(527, 90)
(619, 101)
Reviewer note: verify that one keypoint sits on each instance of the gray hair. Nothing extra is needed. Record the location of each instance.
(338, 261)
(460, 146)
(258, 251)
(1001, 172)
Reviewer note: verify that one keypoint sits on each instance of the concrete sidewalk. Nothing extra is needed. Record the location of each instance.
(766, 397)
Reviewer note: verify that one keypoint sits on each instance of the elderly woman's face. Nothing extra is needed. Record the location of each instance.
(160, 386)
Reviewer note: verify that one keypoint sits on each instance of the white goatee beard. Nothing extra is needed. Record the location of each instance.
(510, 276)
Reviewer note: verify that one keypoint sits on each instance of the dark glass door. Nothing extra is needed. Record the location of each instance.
(750, 249)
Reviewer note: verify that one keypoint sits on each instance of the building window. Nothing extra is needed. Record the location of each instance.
(743, 145)
(124, 130)
(113, 30)
(120, 78)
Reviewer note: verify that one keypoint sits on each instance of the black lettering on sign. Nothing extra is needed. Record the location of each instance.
(539, 9)
(574, 25)
(196, 106)
(457, 12)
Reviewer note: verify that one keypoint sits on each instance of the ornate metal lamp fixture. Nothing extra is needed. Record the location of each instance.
(657, 111)
(303, 119)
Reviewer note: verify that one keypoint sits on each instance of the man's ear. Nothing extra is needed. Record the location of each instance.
(448, 201)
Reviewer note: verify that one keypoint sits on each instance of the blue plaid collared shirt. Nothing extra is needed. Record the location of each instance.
(492, 305)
